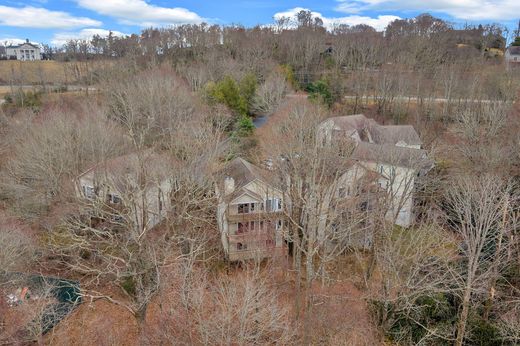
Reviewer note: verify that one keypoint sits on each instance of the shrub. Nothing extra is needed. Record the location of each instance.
(482, 333)
(28, 99)
(405, 323)
(288, 72)
(237, 96)
(128, 284)
(320, 91)
(244, 127)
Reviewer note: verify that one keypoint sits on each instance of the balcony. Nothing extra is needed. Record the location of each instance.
(257, 253)
(257, 215)
(252, 236)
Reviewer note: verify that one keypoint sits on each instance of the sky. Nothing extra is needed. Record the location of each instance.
(56, 21)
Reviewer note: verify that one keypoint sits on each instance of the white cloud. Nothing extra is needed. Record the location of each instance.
(379, 23)
(37, 17)
(61, 38)
(7, 41)
(460, 9)
(138, 12)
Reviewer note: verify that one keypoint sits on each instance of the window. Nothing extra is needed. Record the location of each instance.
(274, 204)
(278, 225)
(270, 243)
(342, 192)
(242, 228)
(243, 208)
(88, 191)
(115, 199)
(252, 226)
(261, 225)
(241, 246)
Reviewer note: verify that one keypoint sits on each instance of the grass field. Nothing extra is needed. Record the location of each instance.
(45, 71)
(33, 72)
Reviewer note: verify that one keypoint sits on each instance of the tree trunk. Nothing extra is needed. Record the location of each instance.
(461, 327)
(298, 267)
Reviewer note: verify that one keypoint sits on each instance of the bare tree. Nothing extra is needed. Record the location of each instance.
(241, 309)
(48, 153)
(17, 249)
(480, 209)
(269, 95)
(322, 218)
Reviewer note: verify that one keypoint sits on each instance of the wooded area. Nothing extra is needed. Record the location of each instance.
(182, 102)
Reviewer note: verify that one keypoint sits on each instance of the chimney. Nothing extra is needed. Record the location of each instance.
(229, 185)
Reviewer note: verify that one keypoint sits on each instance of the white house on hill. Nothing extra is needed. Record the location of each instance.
(25, 52)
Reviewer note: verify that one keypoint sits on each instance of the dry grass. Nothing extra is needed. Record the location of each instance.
(45, 71)
(96, 323)
(33, 72)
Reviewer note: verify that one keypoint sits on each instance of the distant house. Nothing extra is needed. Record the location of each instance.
(512, 56)
(137, 184)
(392, 152)
(24, 52)
(2, 53)
(250, 212)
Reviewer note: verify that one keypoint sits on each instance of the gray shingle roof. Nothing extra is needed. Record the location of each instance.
(124, 171)
(393, 134)
(21, 44)
(380, 143)
(514, 50)
(390, 134)
(392, 155)
(243, 172)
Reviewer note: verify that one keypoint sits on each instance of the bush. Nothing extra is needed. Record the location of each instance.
(483, 333)
(128, 284)
(404, 324)
(28, 99)
(288, 72)
(237, 96)
(244, 127)
(320, 91)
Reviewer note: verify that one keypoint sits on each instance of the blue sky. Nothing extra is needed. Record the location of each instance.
(55, 21)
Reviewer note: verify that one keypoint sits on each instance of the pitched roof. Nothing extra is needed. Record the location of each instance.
(22, 44)
(393, 155)
(243, 172)
(351, 122)
(389, 134)
(124, 171)
(394, 134)
(514, 50)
